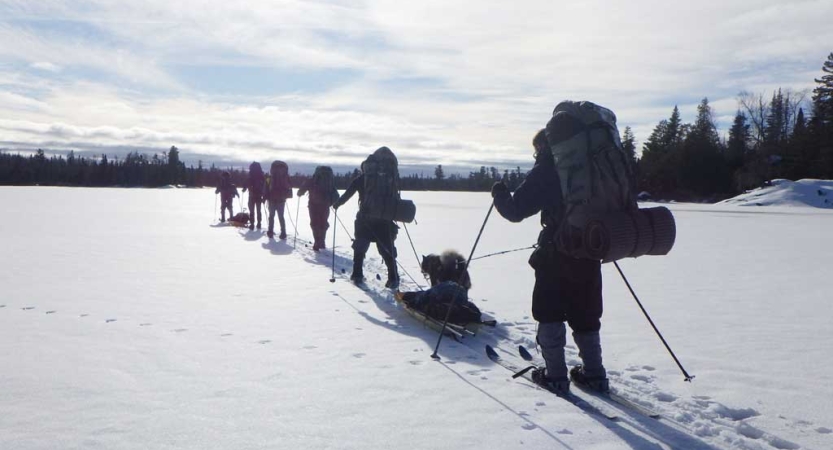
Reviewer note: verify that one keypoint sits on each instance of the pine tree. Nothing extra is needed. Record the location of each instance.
(738, 145)
(629, 145)
(821, 125)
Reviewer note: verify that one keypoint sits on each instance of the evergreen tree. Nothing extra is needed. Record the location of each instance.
(702, 169)
(629, 145)
(821, 125)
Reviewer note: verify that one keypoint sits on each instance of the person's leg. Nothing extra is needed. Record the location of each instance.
(325, 224)
(584, 317)
(552, 336)
(271, 225)
(252, 205)
(384, 244)
(281, 207)
(360, 246)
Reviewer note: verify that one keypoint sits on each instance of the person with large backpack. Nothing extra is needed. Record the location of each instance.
(227, 191)
(578, 154)
(276, 190)
(378, 188)
(322, 194)
(255, 185)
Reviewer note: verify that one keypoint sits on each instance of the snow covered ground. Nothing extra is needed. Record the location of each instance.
(129, 319)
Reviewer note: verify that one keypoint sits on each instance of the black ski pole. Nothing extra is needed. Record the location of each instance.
(465, 269)
(687, 376)
(333, 277)
(297, 219)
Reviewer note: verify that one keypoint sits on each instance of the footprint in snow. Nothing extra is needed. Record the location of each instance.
(359, 328)
(415, 362)
(27, 308)
(264, 341)
(2, 306)
(665, 397)
(564, 431)
(109, 320)
(641, 378)
(648, 368)
(145, 324)
(529, 426)
(310, 347)
(179, 330)
(541, 404)
(83, 315)
(226, 335)
(824, 430)
(358, 355)
(51, 312)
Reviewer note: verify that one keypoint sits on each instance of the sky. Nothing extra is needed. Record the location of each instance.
(462, 84)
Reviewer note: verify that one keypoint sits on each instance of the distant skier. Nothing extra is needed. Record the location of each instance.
(322, 195)
(566, 288)
(255, 185)
(277, 190)
(227, 191)
(376, 186)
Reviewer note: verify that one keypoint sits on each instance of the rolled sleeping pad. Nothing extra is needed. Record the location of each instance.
(610, 237)
(664, 230)
(405, 211)
(649, 231)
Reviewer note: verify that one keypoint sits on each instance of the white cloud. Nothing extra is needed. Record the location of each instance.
(45, 66)
(454, 81)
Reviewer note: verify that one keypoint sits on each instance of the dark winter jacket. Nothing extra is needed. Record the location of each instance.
(357, 185)
(227, 190)
(279, 192)
(318, 197)
(255, 184)
(561, 281)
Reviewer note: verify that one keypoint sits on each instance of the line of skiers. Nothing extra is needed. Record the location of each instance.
(379, 205)
(580, 175)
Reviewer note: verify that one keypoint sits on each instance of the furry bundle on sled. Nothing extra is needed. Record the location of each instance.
(450, 283)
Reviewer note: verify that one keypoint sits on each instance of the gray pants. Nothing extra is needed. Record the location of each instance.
(552, 337)
(279, 207)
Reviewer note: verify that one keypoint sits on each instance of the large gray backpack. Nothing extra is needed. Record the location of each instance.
(381, 198)
(601, 219)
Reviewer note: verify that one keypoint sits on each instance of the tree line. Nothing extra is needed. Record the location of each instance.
(769, 138)
(139, 170)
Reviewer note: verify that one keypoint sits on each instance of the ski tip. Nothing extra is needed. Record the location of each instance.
(491, 352)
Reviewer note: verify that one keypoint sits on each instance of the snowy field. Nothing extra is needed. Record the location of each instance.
(129, 319)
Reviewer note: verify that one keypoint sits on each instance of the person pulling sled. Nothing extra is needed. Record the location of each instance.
(227, 191)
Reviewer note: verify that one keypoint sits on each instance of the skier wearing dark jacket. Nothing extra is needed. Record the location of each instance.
(322, 195)
(227, 191)
(566, 288)
(255, 185)
(367, 230)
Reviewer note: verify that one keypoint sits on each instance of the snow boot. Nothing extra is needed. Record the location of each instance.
(270, 234)
(591, 372)
(596, 383)
(552, 337)
(251, 226)
(393, 275)
(358, 271)
(283, 235)
(558, 387)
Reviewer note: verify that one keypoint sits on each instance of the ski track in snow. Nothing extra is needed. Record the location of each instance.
(700, 417)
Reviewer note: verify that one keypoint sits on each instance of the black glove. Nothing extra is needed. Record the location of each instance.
(336, 204)
(500, 189)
